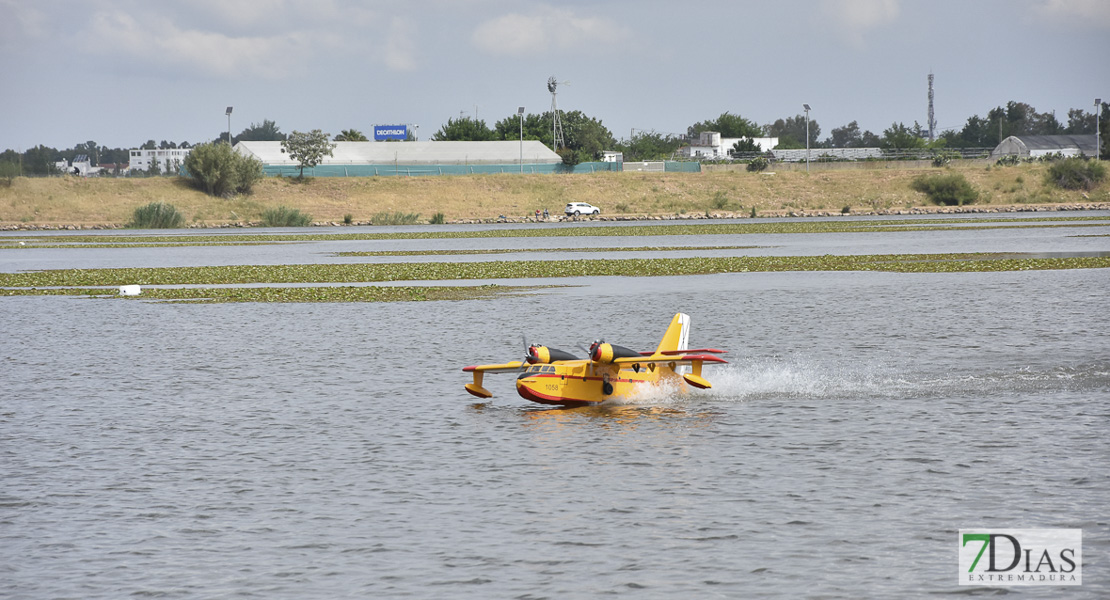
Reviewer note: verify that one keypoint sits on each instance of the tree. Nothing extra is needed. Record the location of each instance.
(536, 127)
(1080, 121)
(900, 137)
(649, 145)
(308, 149)
(351, 135)
(41, 160)
(744, 145)
(728, 125)
(792, 132)
(266, 131)
(977, 133)
(586, 136)
(464, 129)
(219, 170)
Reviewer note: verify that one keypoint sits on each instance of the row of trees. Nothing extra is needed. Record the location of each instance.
(586, 137)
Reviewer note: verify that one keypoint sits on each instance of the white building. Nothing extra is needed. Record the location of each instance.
(711, 146)
(168, 160)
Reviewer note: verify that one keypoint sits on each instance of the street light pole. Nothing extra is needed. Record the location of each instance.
(1098, 137)
(806, 106)
(229, 125)
(520, 115)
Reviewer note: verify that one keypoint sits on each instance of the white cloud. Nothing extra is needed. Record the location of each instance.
(1090, 13)
(158, 42)
(399, 52)
(545, 31)
(19, 22)
(852, 19)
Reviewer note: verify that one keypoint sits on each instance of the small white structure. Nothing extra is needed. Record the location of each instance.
(1034, 146)
(130, 290)
(80, 166)
(169, 159)
(711, 146)
(612, 156)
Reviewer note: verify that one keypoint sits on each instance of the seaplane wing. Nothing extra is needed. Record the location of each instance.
(501, 368)
(677, 359)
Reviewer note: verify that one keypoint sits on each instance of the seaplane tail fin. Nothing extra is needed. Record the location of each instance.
(677, 335)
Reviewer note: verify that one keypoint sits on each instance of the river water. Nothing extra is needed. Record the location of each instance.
(329, 450)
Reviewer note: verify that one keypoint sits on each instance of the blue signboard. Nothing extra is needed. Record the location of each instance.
(390, 132)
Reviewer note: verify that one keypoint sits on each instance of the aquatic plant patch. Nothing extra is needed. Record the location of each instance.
(293, 294)
(630, 267)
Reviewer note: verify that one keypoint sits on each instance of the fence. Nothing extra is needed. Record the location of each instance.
(388, 170)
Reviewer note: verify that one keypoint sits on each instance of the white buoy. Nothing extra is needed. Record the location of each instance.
(129, 290)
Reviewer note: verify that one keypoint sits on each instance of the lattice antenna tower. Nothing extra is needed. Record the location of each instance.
(556, 121)
(932, 119)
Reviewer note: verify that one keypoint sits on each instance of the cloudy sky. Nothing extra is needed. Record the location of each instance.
(120, 72)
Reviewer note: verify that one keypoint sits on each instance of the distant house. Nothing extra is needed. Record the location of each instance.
(1033, 146)
(114, 168)
(711, 146)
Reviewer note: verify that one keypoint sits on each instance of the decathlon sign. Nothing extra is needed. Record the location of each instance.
(390, 132)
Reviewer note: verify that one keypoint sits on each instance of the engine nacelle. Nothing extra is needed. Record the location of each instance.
(606, 353)
(543, 355)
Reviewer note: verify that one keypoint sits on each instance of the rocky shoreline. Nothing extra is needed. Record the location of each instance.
(920, 210)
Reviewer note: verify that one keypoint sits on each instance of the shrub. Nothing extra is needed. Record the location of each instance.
(570, 157)
(847, 209)
(218, 170)
(758, 164)
(8, 172)
(948, 189)
(156, 215)
(1076, 174)
(1009, 160)
(719, 200)
(397, 218)
(348, 219)
(944, 158)
(438, 219)
(284, 216)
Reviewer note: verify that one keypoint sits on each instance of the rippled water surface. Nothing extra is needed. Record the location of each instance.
(329, 450)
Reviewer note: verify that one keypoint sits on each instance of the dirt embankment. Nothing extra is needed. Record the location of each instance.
(71, 202)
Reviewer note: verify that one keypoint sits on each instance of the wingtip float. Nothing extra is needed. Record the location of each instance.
(551, 376)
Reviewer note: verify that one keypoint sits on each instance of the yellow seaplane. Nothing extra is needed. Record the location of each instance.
(551, 376)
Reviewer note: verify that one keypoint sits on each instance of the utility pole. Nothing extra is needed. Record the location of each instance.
(806, 106)
(1098, 137)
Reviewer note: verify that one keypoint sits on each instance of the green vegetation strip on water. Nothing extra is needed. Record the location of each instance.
(539, 249)
(295, 294)
(438, 271)
(748, 227)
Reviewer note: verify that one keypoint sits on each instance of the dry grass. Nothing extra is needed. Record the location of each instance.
(75, 201)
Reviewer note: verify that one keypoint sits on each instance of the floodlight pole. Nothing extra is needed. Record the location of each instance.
(1098, 137)
(520, 114)
(229, 124)
(806, 106)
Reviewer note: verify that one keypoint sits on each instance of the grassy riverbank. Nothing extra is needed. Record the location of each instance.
(65, 201)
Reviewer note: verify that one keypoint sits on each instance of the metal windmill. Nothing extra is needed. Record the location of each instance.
(556, 122)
